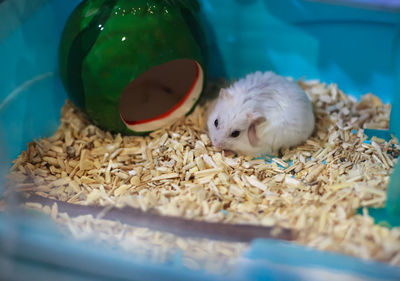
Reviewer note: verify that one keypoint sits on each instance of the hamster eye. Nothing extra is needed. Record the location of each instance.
(216, 123)
(235, 134)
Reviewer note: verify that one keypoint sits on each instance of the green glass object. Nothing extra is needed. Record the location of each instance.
(133, 66)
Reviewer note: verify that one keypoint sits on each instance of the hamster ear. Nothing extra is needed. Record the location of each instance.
(256, 119)
(224, 94)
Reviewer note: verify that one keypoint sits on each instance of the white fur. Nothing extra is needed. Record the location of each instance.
(286, 107)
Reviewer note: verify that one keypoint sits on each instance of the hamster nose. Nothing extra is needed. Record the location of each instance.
(217, 144)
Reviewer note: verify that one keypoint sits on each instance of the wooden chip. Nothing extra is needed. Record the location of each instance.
(51, 160)
(256, 183)
(207, 172)
(62, 181)
(314, 173)
(336, 187)
(166, 176)
(121, 190)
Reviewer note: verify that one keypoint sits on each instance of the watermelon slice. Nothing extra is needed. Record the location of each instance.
(133, 66)
(161, 95)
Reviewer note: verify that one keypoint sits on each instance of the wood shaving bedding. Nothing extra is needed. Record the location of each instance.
(216, 257)
(314, 188)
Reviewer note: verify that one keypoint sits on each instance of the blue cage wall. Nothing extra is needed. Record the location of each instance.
(358, 48)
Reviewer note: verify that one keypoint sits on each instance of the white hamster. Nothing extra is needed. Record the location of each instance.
(260, 114)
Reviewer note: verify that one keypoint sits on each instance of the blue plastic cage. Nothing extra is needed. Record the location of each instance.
(352, 43)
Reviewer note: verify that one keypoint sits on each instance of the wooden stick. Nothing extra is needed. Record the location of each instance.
(178, 226)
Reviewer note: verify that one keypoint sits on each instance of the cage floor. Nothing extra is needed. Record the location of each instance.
(313, 189)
